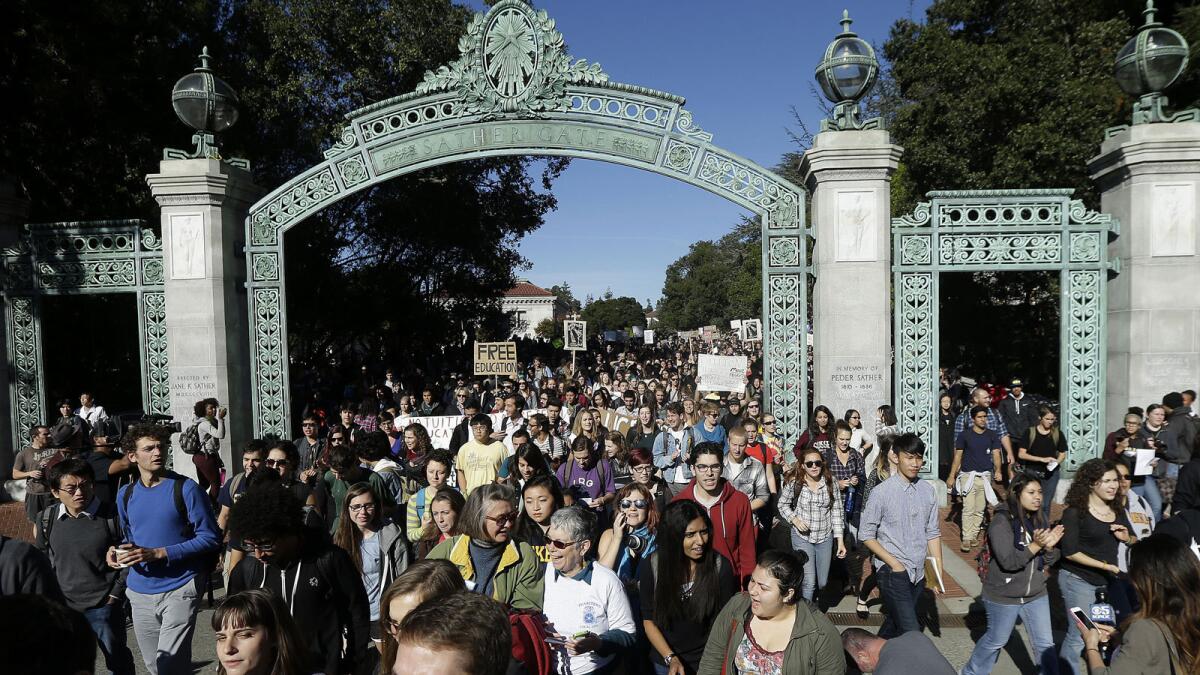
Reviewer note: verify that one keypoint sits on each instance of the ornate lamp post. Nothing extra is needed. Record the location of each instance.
(846, 74)
(1150, 63)
(207, 104)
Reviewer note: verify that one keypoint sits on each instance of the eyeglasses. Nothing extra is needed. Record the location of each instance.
(560, 545)
(644, 468)
(510, 517)
(78, 487)
(637, 503)
(276, 463)
(393, 626)
(814, 464)
(708, 468)
(355, 508)
(261, 547)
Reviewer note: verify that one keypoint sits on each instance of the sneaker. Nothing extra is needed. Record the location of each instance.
(966, 546)
(862, 610)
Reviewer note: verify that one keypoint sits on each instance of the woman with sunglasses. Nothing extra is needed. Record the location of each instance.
(811, 503)
(631, 538)
(491, 562)
(423, 580)
(682, 588)
(445, 512)
(377, 546)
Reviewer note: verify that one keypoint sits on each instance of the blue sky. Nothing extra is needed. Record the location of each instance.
(741, 66)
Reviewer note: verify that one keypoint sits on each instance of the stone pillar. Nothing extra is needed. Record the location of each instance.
(204, 204)
(1149, 176)
(848, 174)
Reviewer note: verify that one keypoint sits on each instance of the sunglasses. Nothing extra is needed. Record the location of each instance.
(510, 517)
(813, 465)
(637, 503)
(273, 463)
(560, 545)
(767, 424)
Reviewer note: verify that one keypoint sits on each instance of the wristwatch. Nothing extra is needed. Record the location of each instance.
(668, 659)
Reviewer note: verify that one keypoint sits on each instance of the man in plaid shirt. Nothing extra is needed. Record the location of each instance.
(981, 397)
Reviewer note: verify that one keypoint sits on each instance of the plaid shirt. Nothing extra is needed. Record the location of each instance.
(995, 422)
(823, 515)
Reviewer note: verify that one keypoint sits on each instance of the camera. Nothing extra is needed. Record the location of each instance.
(165, 420)
(635, 543)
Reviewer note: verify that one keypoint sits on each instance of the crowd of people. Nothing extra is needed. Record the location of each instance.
(695, 541)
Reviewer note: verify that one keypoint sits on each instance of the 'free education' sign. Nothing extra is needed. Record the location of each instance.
(496, 358)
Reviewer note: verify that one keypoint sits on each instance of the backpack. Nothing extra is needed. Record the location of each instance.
(189, 440)
(529, 646)
(49, 517)
(209, 559)
(600, 473)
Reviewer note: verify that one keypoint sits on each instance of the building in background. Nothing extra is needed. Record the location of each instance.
(526, 305)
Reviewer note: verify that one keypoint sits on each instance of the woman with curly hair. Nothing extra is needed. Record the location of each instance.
(1094, 525)
(1163, 638)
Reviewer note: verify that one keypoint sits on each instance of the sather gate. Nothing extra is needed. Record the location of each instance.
(515, 91)
(1004, 231)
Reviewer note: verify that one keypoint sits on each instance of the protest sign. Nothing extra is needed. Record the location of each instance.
(752, 330)
(441, 427)
(575, 336)
(610, 420)
(720, 373)
(648, 336)
(496, 359)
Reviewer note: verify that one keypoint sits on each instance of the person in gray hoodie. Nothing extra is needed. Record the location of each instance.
(1022, 548)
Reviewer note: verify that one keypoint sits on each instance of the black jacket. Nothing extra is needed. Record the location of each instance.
(1179, 435)
(325, 594)
(460, 435)
(1187, 490)
(1018, 416)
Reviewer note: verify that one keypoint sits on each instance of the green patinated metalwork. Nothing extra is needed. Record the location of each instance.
(1148, 65)
(77, 258)
(515, 91)
(1003, 230)
(845, 74)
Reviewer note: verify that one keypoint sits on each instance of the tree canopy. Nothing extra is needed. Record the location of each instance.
(613, 313)
(402, 269)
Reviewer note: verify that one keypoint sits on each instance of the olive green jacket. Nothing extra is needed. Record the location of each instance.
(519, 576)
(814, 649)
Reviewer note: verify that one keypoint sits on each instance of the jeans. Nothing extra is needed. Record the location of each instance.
(1001, 621)
(108, 623)
(1076, 593)
(900, 597)
(1149, 492)
(163, 624)
(816, 567)
(1049, 487)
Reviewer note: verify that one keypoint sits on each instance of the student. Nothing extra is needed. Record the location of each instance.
(976, 465)
(709, 429)
(75, 534)
(540, 498)
(770, 629)
(460, 633)
(255, 635)
(587, 475)
(1022, 544)
(172, 535)
(253, 455)
(746, 473)
(438, 466)
(673, 449)
(30, 466)
(423, 580)
(900, 527)
(733, 527)
(345, 471)
(479, 459)
(316, 580)
(811, 505)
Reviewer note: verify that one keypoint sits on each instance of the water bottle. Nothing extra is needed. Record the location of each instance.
(848, 507)
(1101, 612)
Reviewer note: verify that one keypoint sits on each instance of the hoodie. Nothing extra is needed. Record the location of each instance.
(1015, 576)
(325, 596)
(733, 527)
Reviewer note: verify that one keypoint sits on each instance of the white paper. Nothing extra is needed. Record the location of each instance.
(1144, 457)
(1052, 465)
(721, 373)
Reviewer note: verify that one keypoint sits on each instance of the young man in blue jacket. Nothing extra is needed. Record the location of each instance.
(171, 538)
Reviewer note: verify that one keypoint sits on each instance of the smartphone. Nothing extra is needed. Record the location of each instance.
(1083, 618)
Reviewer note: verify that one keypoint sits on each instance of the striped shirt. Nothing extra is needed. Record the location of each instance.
(823, 515)
(902, 516)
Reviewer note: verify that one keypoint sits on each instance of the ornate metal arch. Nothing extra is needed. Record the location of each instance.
(81, 258)
(1004, 230)
(515, 91)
